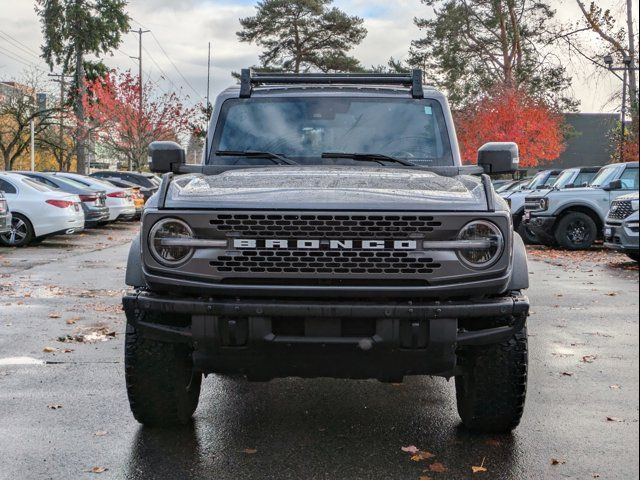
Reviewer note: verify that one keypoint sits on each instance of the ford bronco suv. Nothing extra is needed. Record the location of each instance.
(574, 218)
(543, 180)
(622, 227)
(330, 231)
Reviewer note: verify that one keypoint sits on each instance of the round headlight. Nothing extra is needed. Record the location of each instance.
(490, 244)
(164, 242)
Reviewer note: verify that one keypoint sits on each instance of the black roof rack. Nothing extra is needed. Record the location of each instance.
(249, 79)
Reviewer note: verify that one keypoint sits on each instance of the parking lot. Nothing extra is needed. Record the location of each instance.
(65, 411)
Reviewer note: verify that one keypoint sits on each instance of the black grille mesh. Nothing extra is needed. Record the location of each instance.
(620, 210)
(325, 262)
(322, 226)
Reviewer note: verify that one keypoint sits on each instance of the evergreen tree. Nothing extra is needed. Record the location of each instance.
(301, 35)
(472, 47)
(73, 29)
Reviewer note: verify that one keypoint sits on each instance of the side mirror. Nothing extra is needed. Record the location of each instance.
(615, 185)
(166, 157)
(499, 157)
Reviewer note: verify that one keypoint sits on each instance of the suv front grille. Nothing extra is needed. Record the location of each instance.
(620, 210)
(323, 226)
(296, 262)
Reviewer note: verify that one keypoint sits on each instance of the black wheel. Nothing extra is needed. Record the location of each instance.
(635, 256)
(162, 387)
(527, 235)
(491, 392)
(576, 231)
(21, 233)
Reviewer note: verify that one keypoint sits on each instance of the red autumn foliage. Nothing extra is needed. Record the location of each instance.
(510, 115)
(112, 103)
(631, 150)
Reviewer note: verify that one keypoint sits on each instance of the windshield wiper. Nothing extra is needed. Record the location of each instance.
(276, 158)
(368, 157)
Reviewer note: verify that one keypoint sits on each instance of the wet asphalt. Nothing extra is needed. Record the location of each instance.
(583, 370)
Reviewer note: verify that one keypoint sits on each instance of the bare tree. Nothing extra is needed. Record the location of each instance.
(18, 107)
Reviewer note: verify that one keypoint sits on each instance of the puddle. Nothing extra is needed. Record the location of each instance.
(20, 361)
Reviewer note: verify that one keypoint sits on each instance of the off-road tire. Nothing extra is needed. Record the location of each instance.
(25, 228)
(492, 390)
(635, 256)
(163, 390)
(570, 221)
(527, 235)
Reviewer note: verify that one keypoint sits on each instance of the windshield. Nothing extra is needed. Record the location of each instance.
(37, 185)
(565, 178)
(605, 176)
(304, 128)
(70, 181)
(542, 178)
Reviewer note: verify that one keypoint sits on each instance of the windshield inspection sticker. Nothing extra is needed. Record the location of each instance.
(428, 111)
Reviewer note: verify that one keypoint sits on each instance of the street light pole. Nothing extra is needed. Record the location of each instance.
(625, 68)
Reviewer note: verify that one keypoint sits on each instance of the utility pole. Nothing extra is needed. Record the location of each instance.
(628, 68)
(140, 32)
(61, 80)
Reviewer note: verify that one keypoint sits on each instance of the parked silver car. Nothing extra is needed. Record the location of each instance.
(622, 227)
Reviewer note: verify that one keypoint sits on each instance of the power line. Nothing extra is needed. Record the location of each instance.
(162, 72)
(24, 47)
(170, 61)
(13, 56)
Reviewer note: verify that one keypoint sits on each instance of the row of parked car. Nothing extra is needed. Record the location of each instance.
(576, 207)
(38, 205)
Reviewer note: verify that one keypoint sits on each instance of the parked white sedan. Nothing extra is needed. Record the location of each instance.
(38, 211)
(119, 200)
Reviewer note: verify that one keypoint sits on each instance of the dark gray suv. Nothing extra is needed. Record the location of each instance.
(330, 231)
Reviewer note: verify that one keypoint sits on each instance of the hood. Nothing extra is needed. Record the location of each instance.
(321, 187)
(629, 197)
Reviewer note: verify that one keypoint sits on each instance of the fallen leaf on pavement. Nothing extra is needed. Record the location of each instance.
(48, 349)
(614, 419)
(425, 477)
(55, 315)
(410, 449)
(250, 451)
(555, 461)
(98, 470)
(100, 433)
(54, 406)
(73, 320)
(615, 387)
(420, 456)
(589, 358)
(479, 469)
(567, 374)
(437, 467)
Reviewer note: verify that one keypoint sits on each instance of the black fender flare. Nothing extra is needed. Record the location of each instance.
(134, 276)
(520, 275)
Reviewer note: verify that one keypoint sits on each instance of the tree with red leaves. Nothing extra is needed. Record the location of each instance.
(125, 132)
(511, 115)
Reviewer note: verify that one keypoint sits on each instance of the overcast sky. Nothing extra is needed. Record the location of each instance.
(175, 54)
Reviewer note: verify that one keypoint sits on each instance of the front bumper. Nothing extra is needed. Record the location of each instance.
(622, 236)
(543, 228)
(264, 339)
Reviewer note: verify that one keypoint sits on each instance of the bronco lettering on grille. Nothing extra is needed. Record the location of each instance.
(325, 244)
